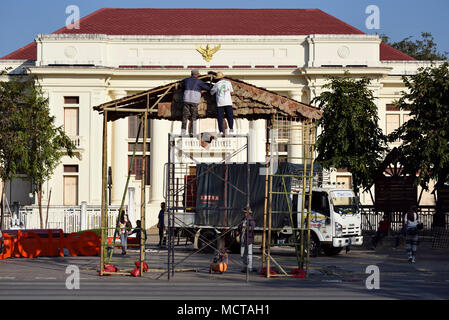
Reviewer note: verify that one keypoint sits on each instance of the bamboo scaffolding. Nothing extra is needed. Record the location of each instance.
(300, 241)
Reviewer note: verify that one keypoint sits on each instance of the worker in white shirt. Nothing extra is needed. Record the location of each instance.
(223, 90)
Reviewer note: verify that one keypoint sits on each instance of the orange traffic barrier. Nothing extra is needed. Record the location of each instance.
(31, 244)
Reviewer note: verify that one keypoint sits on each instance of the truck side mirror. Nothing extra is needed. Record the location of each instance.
(328, 220)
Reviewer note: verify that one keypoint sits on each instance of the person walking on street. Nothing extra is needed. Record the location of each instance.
(193, 87)
(246, 231)
(125, 227)
(160, 223)
(223, 91)
(412, 223)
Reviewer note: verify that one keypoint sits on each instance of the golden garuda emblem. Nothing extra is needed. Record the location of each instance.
(207, 52)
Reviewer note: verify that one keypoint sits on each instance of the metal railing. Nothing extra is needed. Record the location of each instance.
(68, 218)
(78, 141)
(371, 219)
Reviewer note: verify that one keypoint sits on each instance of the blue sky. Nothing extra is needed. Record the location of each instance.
(22, 20)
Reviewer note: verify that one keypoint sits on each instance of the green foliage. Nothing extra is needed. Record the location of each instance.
(13, 129)
(425, 137)
(350, 137)
(96, 231)
(424, 49)
(30, 143)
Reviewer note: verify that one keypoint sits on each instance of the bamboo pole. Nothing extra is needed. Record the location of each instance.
(312, 143)
(270, 210)
(143, 193)
(103, 193)
(267, 155)
(130, 110)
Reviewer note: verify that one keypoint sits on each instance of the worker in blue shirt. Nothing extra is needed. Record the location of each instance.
(193, 87)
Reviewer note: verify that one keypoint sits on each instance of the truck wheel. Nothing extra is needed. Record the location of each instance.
(314, 245)
(207, 237)
(331, 251)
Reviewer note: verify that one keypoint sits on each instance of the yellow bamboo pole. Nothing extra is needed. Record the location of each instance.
(264, 234)
(312, 144)
(143, 193)
(104, 237)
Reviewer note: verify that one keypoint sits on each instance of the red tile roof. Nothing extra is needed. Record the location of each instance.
(389, 53)
(209, 22)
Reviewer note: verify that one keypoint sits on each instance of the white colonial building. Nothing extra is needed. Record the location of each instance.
(118, 52)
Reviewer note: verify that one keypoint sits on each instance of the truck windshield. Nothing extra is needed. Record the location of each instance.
(344, 202)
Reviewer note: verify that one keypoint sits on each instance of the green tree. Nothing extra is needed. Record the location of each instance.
(30, 143)
(350, 137)
(425, 137)
(424, 49)
(13, 135)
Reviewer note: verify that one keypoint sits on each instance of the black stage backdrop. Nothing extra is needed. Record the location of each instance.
(221, 186)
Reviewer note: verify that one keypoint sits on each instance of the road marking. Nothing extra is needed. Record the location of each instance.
(45, 278)
(7, 278)
(334, 281)
(352, 280)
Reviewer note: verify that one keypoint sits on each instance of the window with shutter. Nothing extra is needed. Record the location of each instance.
(71, 127)
(70, 190)
(133, 126)
(137, 168)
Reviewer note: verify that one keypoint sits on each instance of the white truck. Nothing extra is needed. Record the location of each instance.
(336, 220)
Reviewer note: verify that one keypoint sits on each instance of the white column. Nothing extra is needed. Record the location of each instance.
(295, 147)
(159, 157)
(132, 205)
(119, 154)
(257, 140)
(83, 216)
(241, 126)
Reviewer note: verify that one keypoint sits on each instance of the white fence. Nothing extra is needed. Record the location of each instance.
(68, 218)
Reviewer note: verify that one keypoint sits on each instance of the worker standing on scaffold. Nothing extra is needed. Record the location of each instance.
(223, 90)
(193, 87)
(246, 231)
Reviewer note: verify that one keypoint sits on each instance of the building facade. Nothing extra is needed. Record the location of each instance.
(119, 52)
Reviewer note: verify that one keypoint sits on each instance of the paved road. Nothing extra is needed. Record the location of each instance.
(340, 277)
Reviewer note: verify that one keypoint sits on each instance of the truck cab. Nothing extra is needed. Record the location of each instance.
(335, 219)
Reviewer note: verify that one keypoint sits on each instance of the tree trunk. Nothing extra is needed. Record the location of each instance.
(48, 207)
(39, 202)
(2, 217)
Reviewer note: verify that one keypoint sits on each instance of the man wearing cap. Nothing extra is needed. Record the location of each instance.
(246, 230)
(223, 90)
(193, 87)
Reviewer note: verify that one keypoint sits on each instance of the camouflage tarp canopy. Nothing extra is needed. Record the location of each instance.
(249, 102)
